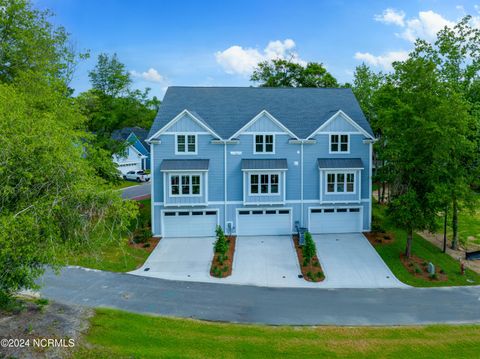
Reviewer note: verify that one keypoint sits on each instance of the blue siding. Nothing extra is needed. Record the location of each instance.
(339, 124)
(185, 124)
(264, 124)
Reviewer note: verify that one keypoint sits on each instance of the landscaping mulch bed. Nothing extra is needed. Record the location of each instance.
(226, 265)
(148, 246)
(418, 267)
(312, 272)
(379, 237)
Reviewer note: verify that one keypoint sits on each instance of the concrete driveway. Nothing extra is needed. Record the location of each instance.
(350, 261)
(180, 259)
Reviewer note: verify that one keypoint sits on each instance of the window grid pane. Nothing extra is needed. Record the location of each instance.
(340, 182)
(191, 143)
(180, 143)
(195, 184)
(259, 143)
(264, 183)
(330, 182)
(185, 185)
(254, 184)
(174, 182)
(268, 143)
(274, 184)
(350, 182)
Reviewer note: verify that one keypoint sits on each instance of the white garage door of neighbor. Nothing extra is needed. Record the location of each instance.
(335, 220)
(264, 222)
(189, 223)
(124, 168)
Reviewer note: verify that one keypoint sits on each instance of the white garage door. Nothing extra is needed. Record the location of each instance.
(125, 167)
(189, 223)
(335, 220)
(264, 222)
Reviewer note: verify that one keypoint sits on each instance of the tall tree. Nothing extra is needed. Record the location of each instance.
(456, 55)
(285, 73)
(109, 77)
(50, 195)
(423, 123)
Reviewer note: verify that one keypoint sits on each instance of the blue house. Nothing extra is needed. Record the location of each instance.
(258, 161)
(136, 155)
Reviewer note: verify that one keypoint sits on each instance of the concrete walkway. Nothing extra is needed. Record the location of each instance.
(249, 304)
(348, 260)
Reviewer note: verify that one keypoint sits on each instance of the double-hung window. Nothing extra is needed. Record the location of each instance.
(186, 144)
(264, 144)
(185, 185)
(264, 184)
(339, 143)
(341, 182)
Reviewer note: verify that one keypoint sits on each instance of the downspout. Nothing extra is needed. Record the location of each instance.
(225, 185)
(301, 183)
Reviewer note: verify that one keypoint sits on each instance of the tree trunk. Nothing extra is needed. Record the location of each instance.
(445, 230)
(408, 249)
(383, 191)
(455, 224)
(379, 194)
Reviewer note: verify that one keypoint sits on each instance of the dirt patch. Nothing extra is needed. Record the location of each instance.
(148, 246)
(418, 267)
(311, 272)
(376, 238)
(222, 265)
(50, 321)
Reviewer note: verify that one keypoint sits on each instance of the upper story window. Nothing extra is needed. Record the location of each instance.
(264, 184)
(185, 185)
(339, 143)
(264, 144)
(186, 144)
(341, 182)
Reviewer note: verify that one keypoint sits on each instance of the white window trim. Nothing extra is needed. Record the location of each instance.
(170, 175)
(249, 184)
(186, 134)
(264, 144)
(339, 134)
(327, 192)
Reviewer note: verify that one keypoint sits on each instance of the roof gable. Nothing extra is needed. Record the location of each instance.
(226, 110)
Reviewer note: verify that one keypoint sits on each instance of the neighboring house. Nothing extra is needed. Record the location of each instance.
(259, 160)
(137, 152)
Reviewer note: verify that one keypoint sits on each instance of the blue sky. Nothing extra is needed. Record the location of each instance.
(216, 43)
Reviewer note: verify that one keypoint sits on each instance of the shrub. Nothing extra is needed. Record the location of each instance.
(309, 249)
(221, 245)
(142, 235)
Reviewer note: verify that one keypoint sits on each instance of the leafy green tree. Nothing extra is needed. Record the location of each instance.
(285, 73)
(221, 244)
(110, 77)
(29, 42)
(456, 55)
(309, 249)
(423, 123)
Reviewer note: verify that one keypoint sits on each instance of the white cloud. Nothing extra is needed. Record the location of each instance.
(239, 60)
(391, 16)
(151, 75)
(384, 61)
(425, 26)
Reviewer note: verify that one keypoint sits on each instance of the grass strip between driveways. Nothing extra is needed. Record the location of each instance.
(390, 253)
(117, 334)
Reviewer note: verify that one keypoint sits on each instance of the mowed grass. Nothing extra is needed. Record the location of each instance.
(114, 256)
(468, 227)
(116, 334)
(423, 249)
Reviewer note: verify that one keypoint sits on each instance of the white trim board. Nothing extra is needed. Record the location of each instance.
(346, 117)
(253, 120)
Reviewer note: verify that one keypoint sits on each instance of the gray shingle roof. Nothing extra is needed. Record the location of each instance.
(184, 165)
(328, 163)
(264, 164)
(122, 135)
(227, 109)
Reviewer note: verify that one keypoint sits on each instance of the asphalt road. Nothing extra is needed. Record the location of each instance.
(137, 192)
(249, 304)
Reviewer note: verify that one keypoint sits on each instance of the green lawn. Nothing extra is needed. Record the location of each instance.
(423, 249)
(116, 334)
(468, 226)
(119, 257)
(125, 184)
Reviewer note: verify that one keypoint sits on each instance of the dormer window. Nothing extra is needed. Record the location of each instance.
(339, 143)
(264, 144)
(186, 144)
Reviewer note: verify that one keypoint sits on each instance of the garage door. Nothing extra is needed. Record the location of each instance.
(189, 223)
(264, 222)
(126, 167)
(335, 220)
